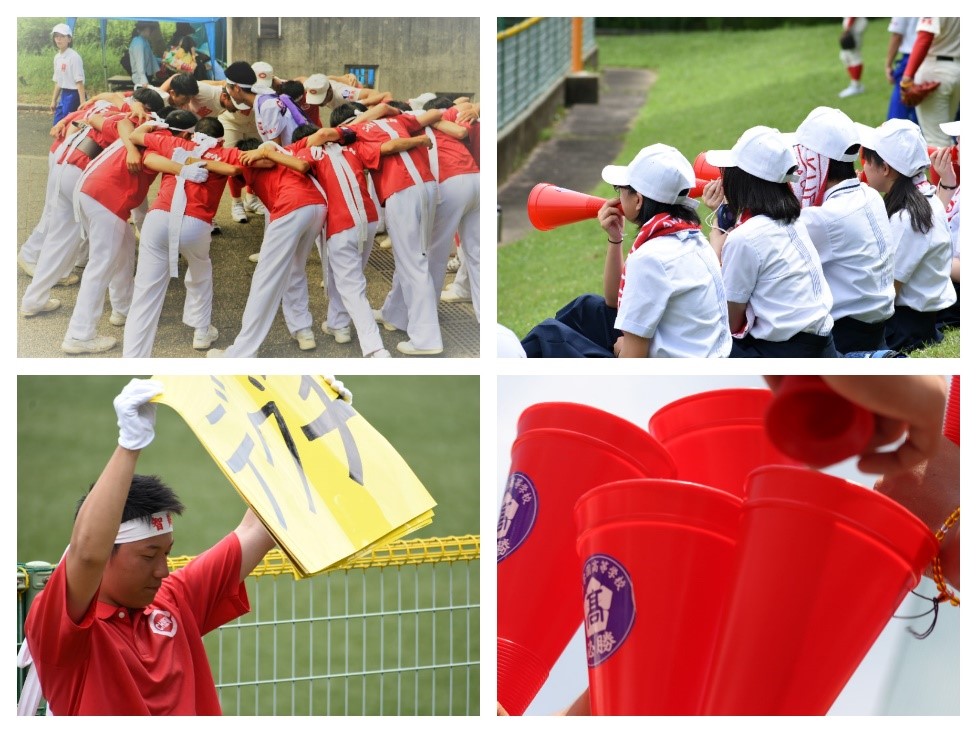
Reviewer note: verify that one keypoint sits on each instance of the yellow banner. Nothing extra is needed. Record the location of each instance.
(323, 481)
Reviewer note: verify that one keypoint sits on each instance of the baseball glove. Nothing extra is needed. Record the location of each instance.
(847, 41)
(913, 94)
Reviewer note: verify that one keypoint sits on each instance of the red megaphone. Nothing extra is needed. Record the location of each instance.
(810, 422)
(704, 173)
(550, 206)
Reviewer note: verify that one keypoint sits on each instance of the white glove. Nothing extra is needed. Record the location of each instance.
(195, 172)
(137, 415)
(344, 394)
(179, 155)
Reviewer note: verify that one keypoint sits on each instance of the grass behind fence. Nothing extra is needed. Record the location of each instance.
(711, 86)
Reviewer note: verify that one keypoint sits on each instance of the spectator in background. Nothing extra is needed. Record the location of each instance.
(69, 75)
(141, 56)
(936, 57)
(851, 54)
(903, 35)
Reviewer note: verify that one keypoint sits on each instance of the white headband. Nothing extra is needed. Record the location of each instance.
(142, 528)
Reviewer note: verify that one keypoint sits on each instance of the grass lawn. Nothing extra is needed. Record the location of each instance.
(711, 87)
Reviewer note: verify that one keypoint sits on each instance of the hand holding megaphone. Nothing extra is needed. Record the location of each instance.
(704, 173)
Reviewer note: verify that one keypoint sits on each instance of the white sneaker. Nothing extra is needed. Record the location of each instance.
(378, 317)
(451, 294)
(856, 87)
(238, 213)
(380, 354)
(255, 257)
(342, 335)
(306, 339)
(91, 346)
(254, 205)
(27, 267)
(52, 305)
(117, 319)
(215, 354)
(204, 337)
(406, 347)
(71, 279)
(453, 264)
(215, 228)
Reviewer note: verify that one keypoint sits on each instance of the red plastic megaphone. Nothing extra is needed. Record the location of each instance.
(550, 206)
(704, 173)
(810, 422)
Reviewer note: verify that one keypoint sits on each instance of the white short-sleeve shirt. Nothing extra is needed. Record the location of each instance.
(922, 261)
(69, 71)
(906, 27)
(207, 102)
(775, 270)
(851, 233)
(674, 296)
(273, 119)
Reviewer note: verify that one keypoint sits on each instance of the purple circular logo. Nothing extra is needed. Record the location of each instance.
(517, 516)
(608, 606)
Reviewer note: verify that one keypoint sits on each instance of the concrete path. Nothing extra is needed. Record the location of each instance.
(589, 137)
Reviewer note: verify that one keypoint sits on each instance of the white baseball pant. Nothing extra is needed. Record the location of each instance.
(344, 267)
(153, 277)
(280, 279)
(111, 264)
(412, 304)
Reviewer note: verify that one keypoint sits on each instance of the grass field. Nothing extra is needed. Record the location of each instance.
(376, 641)
(711, 87)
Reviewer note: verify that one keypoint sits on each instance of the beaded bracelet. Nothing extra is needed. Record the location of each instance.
(945, 593)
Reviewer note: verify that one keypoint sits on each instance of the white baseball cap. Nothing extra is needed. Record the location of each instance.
(418, 102)
(316, 88)
(899, 143)
(264, 72)
(61, 28)
(951, 128)
(762, 152)
(827, 131)
(659, 172)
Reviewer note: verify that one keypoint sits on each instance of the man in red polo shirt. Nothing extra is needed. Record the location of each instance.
(113, 632)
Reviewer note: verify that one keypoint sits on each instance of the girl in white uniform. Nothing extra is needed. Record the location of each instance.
(667, 298)
(895, 164)
(779, 301)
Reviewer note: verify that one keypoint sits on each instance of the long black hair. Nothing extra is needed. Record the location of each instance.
(746, 192)
(904, 195)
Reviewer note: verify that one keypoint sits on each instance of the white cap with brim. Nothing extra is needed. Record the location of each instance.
(61, 28)
(951, 128)
(316, 88)
(418, 102)
(827, 131)
(264, 72)
(659, 172)
(899, 143)
(762, 152)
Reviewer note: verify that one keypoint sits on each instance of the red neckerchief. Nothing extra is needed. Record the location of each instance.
(743, 218)
(659, 225)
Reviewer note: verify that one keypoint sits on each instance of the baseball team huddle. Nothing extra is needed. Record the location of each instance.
(807, 256)
(329, 182)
